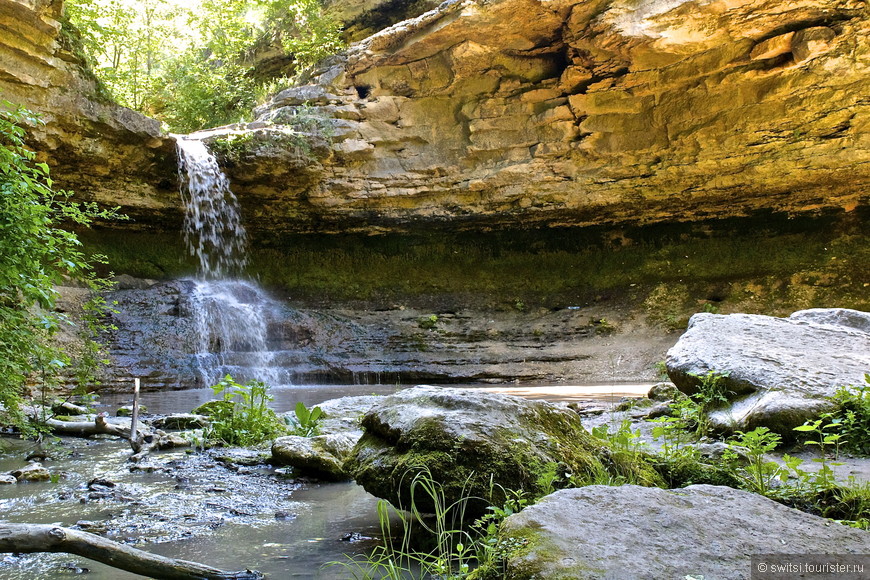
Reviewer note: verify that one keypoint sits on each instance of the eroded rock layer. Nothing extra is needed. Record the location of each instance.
(102, 151)
(566, 112)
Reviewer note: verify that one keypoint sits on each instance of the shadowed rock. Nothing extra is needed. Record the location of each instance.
(780, 371)
(649, 533)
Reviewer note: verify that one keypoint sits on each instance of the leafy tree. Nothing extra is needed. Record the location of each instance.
(36, 253)
(196, 67)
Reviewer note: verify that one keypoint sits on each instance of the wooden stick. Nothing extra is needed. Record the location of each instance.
(30, 538)
(134, 437)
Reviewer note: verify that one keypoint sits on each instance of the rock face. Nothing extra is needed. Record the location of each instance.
(511, 112)
(473, 443)
(573, 113)
(780, 370)
(156, 337)
(649, 533)
(102, 151)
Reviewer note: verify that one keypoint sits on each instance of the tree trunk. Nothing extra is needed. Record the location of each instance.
(29, 538)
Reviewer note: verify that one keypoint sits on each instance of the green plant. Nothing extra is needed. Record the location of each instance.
(677, 430)
(712, 393)
(759, 473)
(37, 253)
(428, 322)
(623, 439)
(824, 477)
(442, 544)
(661, 369)
(243, 418)
(853, 416)
(306, 423)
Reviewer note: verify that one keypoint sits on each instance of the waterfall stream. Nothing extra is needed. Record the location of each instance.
(231, 316)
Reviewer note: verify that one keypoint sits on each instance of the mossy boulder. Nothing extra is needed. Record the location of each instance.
(321, 456)
(210, 408)
(478, 444)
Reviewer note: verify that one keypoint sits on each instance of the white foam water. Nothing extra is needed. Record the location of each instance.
(231, 316)
(213, 229)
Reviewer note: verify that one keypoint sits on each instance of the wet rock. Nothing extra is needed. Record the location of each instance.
(33, 472)
(471, 440)
(6, 479)
(285, 516)
(322, 456)
(664, 391)
(181, 421)
(241, 457)
(639, 532)
(780, 371)
(100, 484)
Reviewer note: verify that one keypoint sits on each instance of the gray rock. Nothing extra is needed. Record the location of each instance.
(181, 421)
(6, 479)
(650, 533)
(339, 430)
(322, 456)
(664, 391)
(781, 371)
(474, 443)
(31, 472)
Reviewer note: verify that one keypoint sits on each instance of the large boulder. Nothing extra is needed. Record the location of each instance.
(475, 444)
(779, 371)
(701, 531)
(324, 455)
(321, 456)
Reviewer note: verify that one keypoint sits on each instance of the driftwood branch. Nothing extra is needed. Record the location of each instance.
(30, 538)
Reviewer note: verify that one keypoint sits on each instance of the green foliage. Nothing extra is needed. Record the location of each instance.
(428, 322)
(306, 423)
(853, 417)
(195, 67)
(677, 430)
(243, 417)
(36, 253)
(758, 474)
(712, 393)
(454, 550)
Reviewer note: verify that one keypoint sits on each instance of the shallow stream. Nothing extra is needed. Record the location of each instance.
(224, 508)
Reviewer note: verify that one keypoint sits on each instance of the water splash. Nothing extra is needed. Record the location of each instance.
(213, 229)
(232, 323)
(231, 317)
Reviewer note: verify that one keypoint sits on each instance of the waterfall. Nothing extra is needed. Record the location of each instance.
(213, 229)
(231, 316)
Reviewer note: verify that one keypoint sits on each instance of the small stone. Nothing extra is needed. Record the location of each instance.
(811, 42)
(6, 479)
(33, 472)
(772, 47)
(664, 391)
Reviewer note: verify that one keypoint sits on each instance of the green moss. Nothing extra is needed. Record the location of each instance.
(210, 408)
(668, 273)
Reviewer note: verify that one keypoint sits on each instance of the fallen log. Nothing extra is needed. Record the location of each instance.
(31, 538)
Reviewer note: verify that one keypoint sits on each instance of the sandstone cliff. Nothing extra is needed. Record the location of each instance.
(102, 151)
(522, 112)
(478, 115)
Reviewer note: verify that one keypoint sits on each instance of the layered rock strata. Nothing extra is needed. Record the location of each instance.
(102, 151)
(522, 112)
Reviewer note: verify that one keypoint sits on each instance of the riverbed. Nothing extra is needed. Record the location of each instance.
(225, 508)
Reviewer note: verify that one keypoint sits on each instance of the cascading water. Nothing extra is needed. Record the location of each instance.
(213, 229)
(231, 316)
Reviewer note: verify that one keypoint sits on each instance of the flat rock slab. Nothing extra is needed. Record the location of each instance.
(650, 533)
(780, 371)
